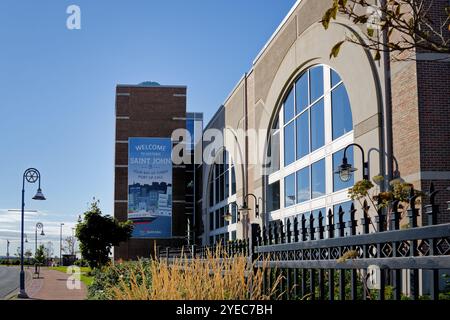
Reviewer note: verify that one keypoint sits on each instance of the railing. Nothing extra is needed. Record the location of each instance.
(317, 261)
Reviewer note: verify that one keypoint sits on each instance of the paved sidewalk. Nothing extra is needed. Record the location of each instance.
(52, 285)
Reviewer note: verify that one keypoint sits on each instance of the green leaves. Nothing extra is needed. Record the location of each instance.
(336, 48)
(98, 234)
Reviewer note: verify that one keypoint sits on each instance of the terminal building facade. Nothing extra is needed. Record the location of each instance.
(284, 129)
(287, 121)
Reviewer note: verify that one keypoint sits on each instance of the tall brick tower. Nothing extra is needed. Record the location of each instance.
(148, 110)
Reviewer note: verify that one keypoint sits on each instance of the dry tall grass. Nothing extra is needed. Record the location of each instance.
(213, 278)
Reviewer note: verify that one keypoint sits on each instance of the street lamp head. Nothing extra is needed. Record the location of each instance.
(42, 232)
(244, 209)
(39, 195)
(228, 217)
(345, 170)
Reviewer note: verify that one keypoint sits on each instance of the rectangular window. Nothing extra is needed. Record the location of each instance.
(301, 92)
(318, 179)
(217, 220)
(289, 143)
(233, 181)
(289, 190)
(338, 184)
(303, 191)
(317, 126)
(217, 188)
(227, 183)
(316, 83)
(302, 135)
(234, 212)
(273, 196)
(233, 235)
(211, 221)
(341, 112)
(273, 154)
(221, 186)
(211, 193)
(289, 106)
(221, 217)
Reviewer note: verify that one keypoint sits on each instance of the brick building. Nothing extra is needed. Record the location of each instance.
(152, 110)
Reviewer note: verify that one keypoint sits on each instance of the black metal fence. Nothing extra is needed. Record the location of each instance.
(305, 258)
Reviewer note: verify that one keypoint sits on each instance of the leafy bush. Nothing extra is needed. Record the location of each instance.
(108, 276)
(81, 263)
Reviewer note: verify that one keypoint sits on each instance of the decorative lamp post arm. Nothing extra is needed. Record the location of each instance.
(365, 164)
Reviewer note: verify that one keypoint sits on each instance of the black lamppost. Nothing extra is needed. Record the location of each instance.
(345, 170)
(30, 175)
(7, 250)
(39, 226)
(245, 209)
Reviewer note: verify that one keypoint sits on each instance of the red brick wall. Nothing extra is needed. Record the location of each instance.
(151, 111)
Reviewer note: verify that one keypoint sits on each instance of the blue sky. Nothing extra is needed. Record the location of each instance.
(57, 87)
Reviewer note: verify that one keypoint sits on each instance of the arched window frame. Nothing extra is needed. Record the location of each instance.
(331, 147)
(220, 203)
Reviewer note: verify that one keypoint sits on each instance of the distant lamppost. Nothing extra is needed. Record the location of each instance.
(7, 250)
(39, 226)
(60, 243)
(73, 241)
(345, 170)
(30, 175)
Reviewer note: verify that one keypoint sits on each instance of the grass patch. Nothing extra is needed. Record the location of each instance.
(85, 276)
(218, 277)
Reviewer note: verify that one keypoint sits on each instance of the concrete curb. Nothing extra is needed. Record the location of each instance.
(28, 280)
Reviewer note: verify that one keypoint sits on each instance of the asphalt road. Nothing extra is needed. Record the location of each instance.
(9, 280)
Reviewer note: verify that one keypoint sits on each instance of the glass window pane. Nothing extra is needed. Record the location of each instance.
(221, 183)
(217, 188)
(338, 184)
(316, 83)
(303, 192)
(335, 79)
(233, 235)
(289, 107)
(217, 220)
(227, 183)
(318, 178)
(233, 181)
(289, 143)
(221, 215)
(234, 213)
(211, 193)
(289, 190)
(211, 220)
(317, 126)
(273, 196)
(301, 92)
(302, 135)
(273, 154)
(341, 112)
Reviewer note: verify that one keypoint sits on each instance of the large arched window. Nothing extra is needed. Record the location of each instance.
(311, 128)
(222, 199)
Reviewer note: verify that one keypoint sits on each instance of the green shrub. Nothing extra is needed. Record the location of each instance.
(81, 263)
(109, 276)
